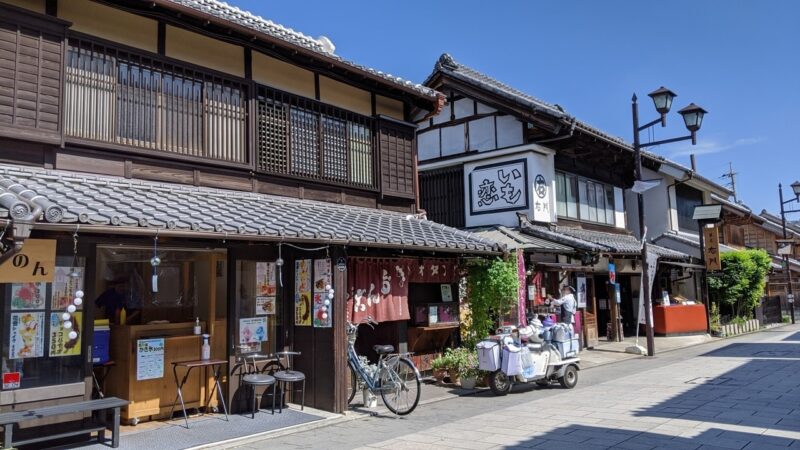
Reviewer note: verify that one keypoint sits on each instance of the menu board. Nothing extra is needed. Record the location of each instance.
(302, 292)
(26, 335)
(149, 359)
(322, 280)
(60, 343)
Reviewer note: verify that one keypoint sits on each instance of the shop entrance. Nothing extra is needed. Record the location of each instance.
(149, 302)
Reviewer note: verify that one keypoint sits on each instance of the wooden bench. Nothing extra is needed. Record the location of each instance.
(100, 425)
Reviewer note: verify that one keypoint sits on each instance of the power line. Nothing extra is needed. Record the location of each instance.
(731, 175)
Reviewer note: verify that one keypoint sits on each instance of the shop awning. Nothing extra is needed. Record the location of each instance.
(597, 241)
(123, 206)
(562, 266)
(514, 238)
(683, 264)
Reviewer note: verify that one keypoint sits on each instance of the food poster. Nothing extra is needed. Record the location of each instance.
(252, 330)
(322, 300)
(28, 295)
(265, 306)
(302, 292)
(60, 343)
(26, 335)
(265, 279)
(149, 359)
(66, 282)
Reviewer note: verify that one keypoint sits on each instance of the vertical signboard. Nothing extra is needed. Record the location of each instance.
(711, 238)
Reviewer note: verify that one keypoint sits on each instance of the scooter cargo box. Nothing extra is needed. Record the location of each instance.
(567, 349)
(512, 361)
(488, 355)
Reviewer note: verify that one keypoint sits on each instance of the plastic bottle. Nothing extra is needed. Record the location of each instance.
(123, 315)
(205, 351)
(197, 329)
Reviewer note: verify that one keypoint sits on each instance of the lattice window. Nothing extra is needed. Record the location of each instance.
(305, 142)
(360, 154)
(273, 137)
(334, 148)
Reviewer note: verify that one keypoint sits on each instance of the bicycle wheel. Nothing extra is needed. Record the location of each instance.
(400, 387)
(352, 383)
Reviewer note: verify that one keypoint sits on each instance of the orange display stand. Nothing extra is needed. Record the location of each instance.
(679, 319)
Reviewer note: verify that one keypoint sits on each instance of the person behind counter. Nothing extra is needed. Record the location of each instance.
(115, 299)
(568, 305)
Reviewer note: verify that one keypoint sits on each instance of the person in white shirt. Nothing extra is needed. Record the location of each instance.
(568, 305)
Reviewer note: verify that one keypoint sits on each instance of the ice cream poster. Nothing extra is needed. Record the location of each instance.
(28, 295)
(67, 281)
(60, 343)
(302, 292)
(265, 279)
(252, 330)
(26, 335)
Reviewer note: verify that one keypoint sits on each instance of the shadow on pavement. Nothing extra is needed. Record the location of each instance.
(763, 392)
(793, 337)
(595, 437)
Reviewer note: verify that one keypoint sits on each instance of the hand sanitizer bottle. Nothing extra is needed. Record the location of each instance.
(205, 351)
(197, 329)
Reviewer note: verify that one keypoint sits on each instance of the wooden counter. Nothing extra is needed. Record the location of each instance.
(151, 399)
(677, 320)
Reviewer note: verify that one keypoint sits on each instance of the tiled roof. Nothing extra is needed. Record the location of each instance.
(229, 13)
(775, 222)
(599, 241)
(206, 212)
(446, 64)
(514, 238)
(691, 240)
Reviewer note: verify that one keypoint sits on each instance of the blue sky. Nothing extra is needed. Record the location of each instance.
(738, 59)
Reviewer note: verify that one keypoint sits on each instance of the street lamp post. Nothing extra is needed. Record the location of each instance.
(796, 191)
(693, 119)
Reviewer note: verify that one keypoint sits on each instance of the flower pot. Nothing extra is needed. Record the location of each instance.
(439, 374)
(453, 375)
(468, 382)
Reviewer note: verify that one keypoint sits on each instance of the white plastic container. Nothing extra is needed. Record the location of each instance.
(488, 355)
(512, 361)
(205, 350)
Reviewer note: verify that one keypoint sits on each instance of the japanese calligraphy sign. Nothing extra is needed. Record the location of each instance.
(499, 187)
(711, 239)
(34, 263)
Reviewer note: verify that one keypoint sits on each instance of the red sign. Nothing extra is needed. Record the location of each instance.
(11, 380)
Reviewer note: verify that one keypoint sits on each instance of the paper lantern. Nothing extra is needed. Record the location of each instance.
(73, 335)
(71, 309)
(67, 324)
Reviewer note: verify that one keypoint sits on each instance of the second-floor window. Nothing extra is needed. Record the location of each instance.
(687, 198)
(305, 138)
(123, 98)
(585, 200)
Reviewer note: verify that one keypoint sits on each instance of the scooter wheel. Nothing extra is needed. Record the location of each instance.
(499, 383)
(570, 378)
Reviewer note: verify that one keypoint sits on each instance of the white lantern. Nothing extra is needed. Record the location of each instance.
(328, 287)
(331, 292)
(77, 301)
(324, 315)
(79, 294)
(65, 316)
(71, 309)
(73, 335)
(327, 302)
(67, 324)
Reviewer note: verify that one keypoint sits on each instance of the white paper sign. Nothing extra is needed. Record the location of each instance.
(580, 285)
(499, 187)
(149, 359)
(252, 330)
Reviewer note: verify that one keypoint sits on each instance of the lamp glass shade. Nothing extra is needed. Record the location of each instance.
(693, 117)
(662, 99)
(796, 188)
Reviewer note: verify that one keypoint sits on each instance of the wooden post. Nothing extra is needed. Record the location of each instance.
(339, 332)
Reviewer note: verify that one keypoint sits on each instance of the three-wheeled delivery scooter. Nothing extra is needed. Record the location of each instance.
(533, 354)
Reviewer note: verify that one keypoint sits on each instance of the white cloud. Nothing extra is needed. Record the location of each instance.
(712, 146)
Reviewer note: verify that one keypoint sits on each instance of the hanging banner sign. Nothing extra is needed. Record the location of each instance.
(711, 239)
(34, 263)
(580, 285)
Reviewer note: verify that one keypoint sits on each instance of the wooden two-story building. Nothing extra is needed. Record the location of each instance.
(181, 161)
(517, 169)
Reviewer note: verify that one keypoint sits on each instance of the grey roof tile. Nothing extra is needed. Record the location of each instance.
(515, 238)
(232, 14)
(110, 201)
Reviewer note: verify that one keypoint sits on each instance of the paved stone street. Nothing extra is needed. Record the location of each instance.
(735, 393)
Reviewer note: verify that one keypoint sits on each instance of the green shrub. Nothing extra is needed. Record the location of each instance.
(492, 291)
(741, 284)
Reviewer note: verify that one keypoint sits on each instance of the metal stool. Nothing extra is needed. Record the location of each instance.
(253, 378)
(289, 377)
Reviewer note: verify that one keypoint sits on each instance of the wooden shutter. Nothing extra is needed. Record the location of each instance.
(31, 71)
(441, 195)
(396, 149)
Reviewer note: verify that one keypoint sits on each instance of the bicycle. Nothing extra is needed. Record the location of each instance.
(394, 377)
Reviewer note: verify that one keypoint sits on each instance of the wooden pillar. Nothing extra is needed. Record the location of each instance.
(339, 332)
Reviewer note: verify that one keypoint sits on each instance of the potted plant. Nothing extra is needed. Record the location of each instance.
(439, 368)
(469, 377)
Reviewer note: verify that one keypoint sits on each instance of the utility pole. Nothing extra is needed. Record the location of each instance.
(732, 176)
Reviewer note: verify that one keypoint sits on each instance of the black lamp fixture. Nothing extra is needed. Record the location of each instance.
(693, 118)
(796, 189)
(662, 100)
